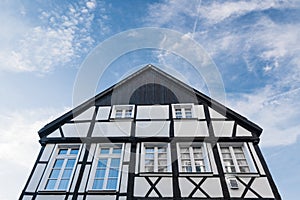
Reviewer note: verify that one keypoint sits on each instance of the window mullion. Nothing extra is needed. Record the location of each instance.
(192, 159)
(61, 173)
(155, 159)
(237, 169)
(106, 173)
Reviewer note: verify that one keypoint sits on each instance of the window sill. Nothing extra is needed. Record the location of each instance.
(102, 191)
(195, 174)
(251, 174)
(155, 173)
(53, 191)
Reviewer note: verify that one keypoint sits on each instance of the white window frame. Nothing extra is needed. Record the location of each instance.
(155, 145)
(109, 156)
(55, 155)
(190, 146)
(123, 109)
(183, 108)
(250, 161)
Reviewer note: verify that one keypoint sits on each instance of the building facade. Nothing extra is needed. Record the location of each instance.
(150, 137)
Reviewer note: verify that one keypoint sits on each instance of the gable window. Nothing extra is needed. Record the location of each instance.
(235, 158)
(193, 157)
(63, 168)
(122, 111)
(106, 169)
(155, 157)
(183, 111)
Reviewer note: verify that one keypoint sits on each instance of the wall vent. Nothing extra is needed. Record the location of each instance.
(233, 183)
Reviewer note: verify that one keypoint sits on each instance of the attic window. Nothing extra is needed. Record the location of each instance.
(181, 111)
(122, 111)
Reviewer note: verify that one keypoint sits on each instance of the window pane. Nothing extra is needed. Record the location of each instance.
(128, 113)
(115, 162)
(188, 113)
(70, 163)
(117, 151)
(58, 163)
(149, 168)
(187, 168)
(104, 151)
(149, 156)
(119, 113)
(113, 173)
(74, 151)
(98, 184)
(62, 151)
(63, 184)
(178, 113)
(51, 184)
(111, 184)
(100, 173)
(149, 149)
(67, 173)
(55, 173)
(244, 169)
(102, 163)
(162, 169)
(149, 162)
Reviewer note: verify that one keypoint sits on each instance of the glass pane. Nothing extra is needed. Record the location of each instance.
(70, 163)
(63, 184)
(51, 184)
(113, 173)
(67, 173)
(162, 162)
(149, 162)
(187, 168)
(198, 155)
(225, 150)
(54, 173)
(226, 155)
(184, 150)
(162, 155)
(98, 184)
(119, 113)
(199, 162)
(162, 149)
(100, 173)
(162, 169)
(149, 149)
(62, 151)
(149, 168)
(104, 151)
(128, 113)
(117, 151)
(238, 149)
(102, 163)
(74, 151)
(244, 169)
(58, 163)
(188, 113)
(228, 162)
(242, 162)
(115, 162)
(185, 155)
(149, 156)
(111, 184)
(230, 169)
(239, 155)
(199, 169)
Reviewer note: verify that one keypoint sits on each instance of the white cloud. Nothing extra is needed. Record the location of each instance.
(275, 112)
(56, 38)
(19, 147)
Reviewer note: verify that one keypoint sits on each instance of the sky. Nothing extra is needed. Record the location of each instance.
(253, 44)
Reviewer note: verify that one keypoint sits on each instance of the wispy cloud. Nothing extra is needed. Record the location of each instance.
(57, 37)
(19, 146)
(245, 41)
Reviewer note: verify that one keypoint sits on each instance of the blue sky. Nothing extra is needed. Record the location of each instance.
(253, 43)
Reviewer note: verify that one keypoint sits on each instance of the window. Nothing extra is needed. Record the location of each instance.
(122, 111)
(236, 158)
(155, 157)
(62, 169)
(106, 171)
(193, 157)
(182, 111)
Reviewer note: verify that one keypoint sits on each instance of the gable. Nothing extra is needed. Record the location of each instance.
(149, 86)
